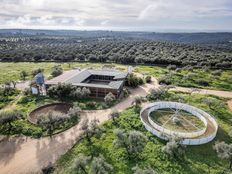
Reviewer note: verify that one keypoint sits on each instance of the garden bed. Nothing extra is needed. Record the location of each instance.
(54, 107)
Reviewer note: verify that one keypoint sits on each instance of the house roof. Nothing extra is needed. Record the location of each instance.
(76, 77)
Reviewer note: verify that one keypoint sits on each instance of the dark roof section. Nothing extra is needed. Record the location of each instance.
(76, 77)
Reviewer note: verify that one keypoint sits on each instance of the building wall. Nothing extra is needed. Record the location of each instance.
(101, 92)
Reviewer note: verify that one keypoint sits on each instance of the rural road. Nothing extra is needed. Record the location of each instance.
(20, 155)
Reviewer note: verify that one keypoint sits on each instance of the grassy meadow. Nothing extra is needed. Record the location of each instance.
(185, 78)
(191, 78)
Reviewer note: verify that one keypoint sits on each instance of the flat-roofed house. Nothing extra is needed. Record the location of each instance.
(100, 82)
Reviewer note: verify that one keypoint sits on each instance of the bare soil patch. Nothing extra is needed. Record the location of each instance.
(230, 104)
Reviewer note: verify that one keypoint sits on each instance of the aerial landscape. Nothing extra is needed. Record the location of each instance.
(115, 87)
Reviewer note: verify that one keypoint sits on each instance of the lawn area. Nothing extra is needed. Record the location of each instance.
(195, 78)
(197, 159)
(11, 71)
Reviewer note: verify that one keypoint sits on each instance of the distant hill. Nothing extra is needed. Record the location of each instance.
(195, 38)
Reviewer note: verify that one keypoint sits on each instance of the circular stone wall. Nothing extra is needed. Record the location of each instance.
(202, 136)
(56, 107)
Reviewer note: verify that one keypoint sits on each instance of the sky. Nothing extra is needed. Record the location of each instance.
(128, 15)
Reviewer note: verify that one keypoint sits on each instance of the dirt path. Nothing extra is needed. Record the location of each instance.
(230, 104)
(20, 155)
(225, 94)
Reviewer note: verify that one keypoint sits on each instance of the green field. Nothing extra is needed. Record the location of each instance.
(197, 160)
(191, 78)
(10, 71)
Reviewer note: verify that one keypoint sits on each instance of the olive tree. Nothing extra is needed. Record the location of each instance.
(109, 98)
(133, 141)
(91, 128)
(74, 114)
(224, 151)
(158, 93)
(138, 101)
(8, 116)
(80, 164)
(113, 115)
(56, 71)
(174, 148)
(100, 166)
(51, 120)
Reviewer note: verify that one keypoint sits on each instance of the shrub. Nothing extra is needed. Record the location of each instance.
(100, 166)
(79, 93)
(91, 104)
(133, 80)
(148, 79)
(27, 91)
(165, 80)
(173, 147)
(86, 92)
(138, 170)
(8, 116)
(23, 74)
(217, 72)
(61, 91)
(113, 115)
(171, 67)
(109, 98)
(56, 71)
(202, 82)
(51, 121)
(224, 151)
(158, 93)
(36, 71)
(133, 142)
(188, 68)
(74, 114)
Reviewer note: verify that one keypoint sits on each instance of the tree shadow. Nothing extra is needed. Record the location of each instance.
(9, 147)
(49, 150)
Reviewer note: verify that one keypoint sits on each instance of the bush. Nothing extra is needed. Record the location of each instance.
(8, 116)
(174, 148)
(217, 72)
(171, 67)
(165, 80)
(148, 79)
(91, 104)
(74, 114)
(60, 91)
(27, 91)
(134, 81)
(158, 93)
(36, 71)
(56, 71)
(79, 93)
(202, 82)
(109, 98)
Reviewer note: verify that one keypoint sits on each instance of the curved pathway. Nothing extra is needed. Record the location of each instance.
(20, 155)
